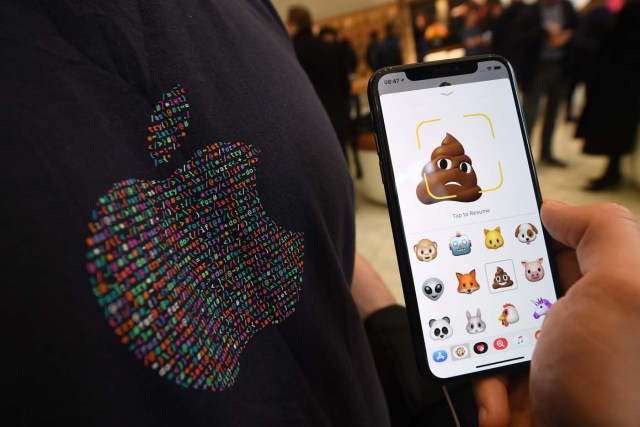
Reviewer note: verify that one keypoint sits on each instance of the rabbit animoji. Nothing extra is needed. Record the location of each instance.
(475, 324)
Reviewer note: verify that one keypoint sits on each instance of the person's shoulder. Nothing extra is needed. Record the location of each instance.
(569, 7)
(529, 13)
(531, 8)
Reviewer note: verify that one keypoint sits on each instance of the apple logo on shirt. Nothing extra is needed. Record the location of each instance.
(188, 269)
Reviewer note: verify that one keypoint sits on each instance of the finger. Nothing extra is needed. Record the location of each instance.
(492, 400)
(568, 268)
(519, 399)
(592, 231)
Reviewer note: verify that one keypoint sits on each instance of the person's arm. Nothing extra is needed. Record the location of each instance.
(368, 290)
(584, 370)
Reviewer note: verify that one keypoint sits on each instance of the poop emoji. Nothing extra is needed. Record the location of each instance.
(501, 279)
(449, 175)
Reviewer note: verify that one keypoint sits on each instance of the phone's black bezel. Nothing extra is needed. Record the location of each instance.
(429, 70)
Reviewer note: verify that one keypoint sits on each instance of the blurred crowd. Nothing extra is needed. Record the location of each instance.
(552, 47)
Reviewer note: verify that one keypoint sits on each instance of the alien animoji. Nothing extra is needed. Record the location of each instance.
(449, 175)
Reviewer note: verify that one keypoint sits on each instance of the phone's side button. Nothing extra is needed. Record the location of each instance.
(381, 172)
(375, 137)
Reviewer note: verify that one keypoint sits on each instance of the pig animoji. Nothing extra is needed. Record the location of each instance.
(533, 270)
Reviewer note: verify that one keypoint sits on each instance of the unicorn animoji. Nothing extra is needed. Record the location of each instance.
(542, 307)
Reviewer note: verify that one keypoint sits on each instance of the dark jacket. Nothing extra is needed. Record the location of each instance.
(610, 119)
(326, 64)
(531, 37)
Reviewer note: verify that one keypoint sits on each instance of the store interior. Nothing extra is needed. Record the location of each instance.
(355, 20)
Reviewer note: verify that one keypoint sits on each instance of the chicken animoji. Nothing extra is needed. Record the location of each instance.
(509, 315)
(449, 175)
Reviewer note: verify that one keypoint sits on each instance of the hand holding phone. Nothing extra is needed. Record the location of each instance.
(464, 205)
(587, 348)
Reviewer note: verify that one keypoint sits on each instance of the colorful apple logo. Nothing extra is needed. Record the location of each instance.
(188, 269)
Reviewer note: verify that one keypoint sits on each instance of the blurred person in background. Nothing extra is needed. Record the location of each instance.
(336, 41)
(371, 53)
(543, 34)
(609, 122)
(419, 28)
(389, 51)
(474, 39)
(326, 63)
(502, 40)
(333, 37)
(594, 19)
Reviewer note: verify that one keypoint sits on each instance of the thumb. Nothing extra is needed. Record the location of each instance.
(602, 234)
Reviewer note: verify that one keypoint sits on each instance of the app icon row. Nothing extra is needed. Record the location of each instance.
(462, 351)
(426, 250)
(500, 274)
(441, 329)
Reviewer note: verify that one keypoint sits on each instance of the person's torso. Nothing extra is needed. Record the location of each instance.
(180, 229)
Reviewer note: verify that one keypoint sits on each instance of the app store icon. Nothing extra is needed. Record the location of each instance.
(439, 356)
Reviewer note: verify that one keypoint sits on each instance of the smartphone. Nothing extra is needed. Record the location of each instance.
(464, 201)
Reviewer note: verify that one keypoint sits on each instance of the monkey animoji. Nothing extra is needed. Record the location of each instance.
(426, 250)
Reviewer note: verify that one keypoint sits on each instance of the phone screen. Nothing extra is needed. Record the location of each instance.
(468, 210)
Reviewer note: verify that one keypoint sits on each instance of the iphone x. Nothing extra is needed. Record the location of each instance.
(464, 202)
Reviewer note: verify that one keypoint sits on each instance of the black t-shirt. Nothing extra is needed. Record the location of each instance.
(177, 223)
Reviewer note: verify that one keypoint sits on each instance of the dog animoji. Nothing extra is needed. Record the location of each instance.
(526, 232)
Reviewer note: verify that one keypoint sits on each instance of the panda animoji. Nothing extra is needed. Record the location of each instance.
(426, 250)
(440, 328)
